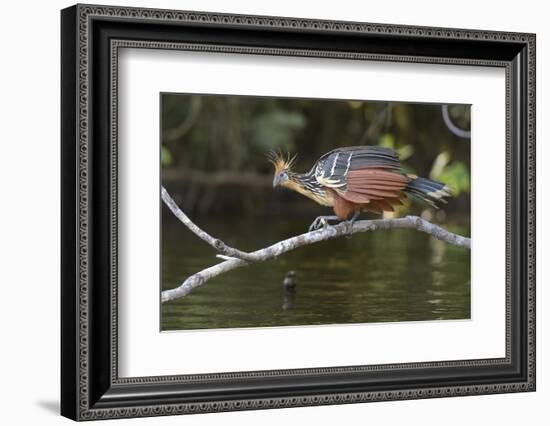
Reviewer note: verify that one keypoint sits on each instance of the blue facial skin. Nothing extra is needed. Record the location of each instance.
(279, 179)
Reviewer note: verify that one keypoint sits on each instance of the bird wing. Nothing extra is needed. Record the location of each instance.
(362, 173)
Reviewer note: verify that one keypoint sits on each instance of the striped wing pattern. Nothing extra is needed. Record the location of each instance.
(363, 174)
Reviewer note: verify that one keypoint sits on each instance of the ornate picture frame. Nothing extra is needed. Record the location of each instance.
(91, 37)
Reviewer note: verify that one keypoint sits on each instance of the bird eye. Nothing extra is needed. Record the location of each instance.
(281, 174)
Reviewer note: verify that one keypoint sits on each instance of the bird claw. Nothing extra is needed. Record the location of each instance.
(320, 222)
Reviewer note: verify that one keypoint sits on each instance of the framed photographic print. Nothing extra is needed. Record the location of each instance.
(263, 212)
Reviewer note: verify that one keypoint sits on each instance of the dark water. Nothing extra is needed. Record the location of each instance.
(382, 276)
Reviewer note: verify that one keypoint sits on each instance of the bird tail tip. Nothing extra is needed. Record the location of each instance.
(428, 191)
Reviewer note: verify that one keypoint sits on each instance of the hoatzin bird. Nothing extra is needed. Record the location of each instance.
(356, 179)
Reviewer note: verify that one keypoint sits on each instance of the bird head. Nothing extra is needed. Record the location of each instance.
(283, 165)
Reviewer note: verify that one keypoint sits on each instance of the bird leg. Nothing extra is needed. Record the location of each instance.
(321, 222)
(350, 222)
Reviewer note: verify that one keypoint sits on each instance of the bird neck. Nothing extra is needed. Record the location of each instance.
(303, 179)
(306, 184)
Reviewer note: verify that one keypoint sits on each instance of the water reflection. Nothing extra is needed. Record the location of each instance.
(289, 290)
(384, 276)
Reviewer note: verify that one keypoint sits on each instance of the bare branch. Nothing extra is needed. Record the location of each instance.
(234, 258)
(203, 235)
(465, 134)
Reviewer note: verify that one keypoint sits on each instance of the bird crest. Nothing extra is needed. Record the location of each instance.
(280, 161)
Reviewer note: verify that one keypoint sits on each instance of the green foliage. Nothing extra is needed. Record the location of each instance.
(166, 159)
(218, 134)
(457, 177)
(454, 174)
(387, 140)
(276, 129)
(439, 164)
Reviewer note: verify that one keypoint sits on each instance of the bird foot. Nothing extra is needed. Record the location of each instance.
(321, 222)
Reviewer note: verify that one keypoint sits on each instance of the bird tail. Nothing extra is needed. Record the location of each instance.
(427, 190)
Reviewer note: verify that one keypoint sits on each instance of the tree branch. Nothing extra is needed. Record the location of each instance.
(465, 134)
(219, 245)
(234, 258)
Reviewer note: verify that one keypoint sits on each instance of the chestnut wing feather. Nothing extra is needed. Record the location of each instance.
(362, 174)
(376, 184)
(332, 169)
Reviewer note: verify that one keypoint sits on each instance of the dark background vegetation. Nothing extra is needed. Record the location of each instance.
(214, 147)
(214, 163)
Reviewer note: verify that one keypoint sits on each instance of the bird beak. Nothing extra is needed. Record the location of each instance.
(276, 181)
